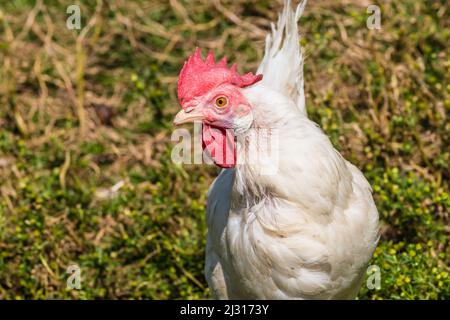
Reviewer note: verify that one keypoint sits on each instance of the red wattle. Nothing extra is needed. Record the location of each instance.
(220, 145)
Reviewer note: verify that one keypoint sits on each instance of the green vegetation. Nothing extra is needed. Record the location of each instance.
(83, 110)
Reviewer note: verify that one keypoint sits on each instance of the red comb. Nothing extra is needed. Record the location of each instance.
(198, 76)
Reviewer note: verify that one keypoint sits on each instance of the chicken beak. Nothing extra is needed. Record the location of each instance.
(191, 116)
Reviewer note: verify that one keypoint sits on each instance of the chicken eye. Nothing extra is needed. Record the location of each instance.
(221, 102)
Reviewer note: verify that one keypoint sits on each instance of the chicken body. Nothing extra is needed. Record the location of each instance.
(305, 231)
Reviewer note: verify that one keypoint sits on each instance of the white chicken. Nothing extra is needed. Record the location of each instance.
(306, 230)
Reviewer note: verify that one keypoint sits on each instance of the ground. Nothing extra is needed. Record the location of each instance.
(86, 175)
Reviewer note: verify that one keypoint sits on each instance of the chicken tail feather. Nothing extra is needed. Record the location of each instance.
(282, 64)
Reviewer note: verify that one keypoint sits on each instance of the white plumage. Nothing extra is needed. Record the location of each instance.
(309, 230)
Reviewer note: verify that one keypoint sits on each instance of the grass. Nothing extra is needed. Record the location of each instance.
(83, 110)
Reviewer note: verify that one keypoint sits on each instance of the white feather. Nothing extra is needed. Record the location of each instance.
(282, 64)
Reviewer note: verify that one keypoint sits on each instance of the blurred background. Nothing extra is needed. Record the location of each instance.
(86, 176)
